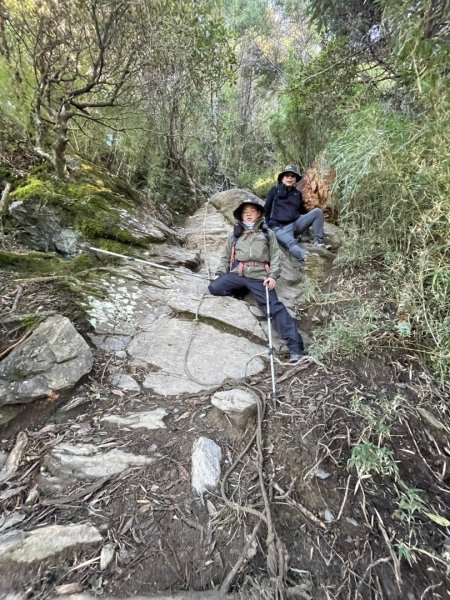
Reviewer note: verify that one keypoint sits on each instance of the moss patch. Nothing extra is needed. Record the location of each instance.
(41, 264)
(93, 202)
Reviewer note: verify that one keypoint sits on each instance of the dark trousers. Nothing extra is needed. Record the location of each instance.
(232, 284)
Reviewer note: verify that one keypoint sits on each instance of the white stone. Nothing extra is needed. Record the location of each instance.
(106, 556)
(234, 401)
(151, 419)
(206, 457)
(38, 544)
(86, 461)
(125, 382)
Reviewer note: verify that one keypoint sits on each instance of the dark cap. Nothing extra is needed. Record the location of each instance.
(289, 169)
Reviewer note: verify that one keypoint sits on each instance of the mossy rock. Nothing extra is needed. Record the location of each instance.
(95, 204)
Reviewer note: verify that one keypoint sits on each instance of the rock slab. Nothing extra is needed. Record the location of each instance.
(86, 461)
(38, 544)
(53, 358)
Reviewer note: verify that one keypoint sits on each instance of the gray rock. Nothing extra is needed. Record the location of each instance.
(11, 520)
(8, 413)
(431, 419)
(125, 382)
(106, 556)
(206, 457)
(213, 356)
(38, 544)
(328, 516)
(3, 457)
(53, 358)
(333, 235)
(66, 242)
(315, 266)
(232, 313)
(237, 404)
(86, 461)
(37, 224)
(152, 419)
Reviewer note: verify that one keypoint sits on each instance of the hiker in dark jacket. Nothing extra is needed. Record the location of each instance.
(251, 261)
(287, 215)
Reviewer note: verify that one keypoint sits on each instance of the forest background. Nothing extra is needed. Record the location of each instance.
(184, 98)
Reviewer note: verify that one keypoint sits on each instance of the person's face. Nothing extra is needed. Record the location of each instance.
(250, 213)
(289, 179)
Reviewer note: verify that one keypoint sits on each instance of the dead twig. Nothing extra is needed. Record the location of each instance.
(301, 508)
(226, 584)
(83, 493)
(385, 559)
(17, 298)
(8, 350)
(13, 460)
(398, 577)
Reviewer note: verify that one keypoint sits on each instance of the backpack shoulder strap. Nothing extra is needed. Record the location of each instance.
(265, 229)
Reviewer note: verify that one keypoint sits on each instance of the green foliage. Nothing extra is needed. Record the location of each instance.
(369, 459)
(379, 415)
(313, 103)
(410, 502)
(393, 184)
(350, 334)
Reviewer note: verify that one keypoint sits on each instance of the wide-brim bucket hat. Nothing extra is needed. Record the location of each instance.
(289, 169)
(237, 212)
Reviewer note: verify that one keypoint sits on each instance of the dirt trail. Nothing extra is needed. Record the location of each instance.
(344, 531)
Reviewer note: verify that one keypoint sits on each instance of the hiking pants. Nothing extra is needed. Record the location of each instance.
(287, 234)
(231, 284)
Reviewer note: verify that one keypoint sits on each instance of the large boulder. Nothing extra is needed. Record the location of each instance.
(51, 215)
(53, 358)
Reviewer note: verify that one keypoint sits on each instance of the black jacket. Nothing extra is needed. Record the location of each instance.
(283, 205)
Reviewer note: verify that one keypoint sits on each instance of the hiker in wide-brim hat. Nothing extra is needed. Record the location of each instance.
(287, 216)
(237, 212)
(251, 261)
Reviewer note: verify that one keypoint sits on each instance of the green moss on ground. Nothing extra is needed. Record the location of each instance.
(41, 264)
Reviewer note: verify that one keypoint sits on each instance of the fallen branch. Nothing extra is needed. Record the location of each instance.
(312, 517)
(8, 350)
(226, 584)
(17, 298)
(90, 489)
(13, 460)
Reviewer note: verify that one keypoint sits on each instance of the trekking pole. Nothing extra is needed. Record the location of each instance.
(269, 327)
(147, 262)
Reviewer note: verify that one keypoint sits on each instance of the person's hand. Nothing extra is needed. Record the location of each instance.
(270, 282)
(216, 276)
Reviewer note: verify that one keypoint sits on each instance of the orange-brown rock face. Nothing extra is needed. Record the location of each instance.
(315, 187)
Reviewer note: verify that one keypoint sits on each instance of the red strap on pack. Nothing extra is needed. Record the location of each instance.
(241, 266)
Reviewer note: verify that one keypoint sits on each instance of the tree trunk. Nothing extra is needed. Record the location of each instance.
(60, 145)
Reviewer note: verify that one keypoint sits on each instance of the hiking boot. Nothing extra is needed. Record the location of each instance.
(295, 356)
(321, 244)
